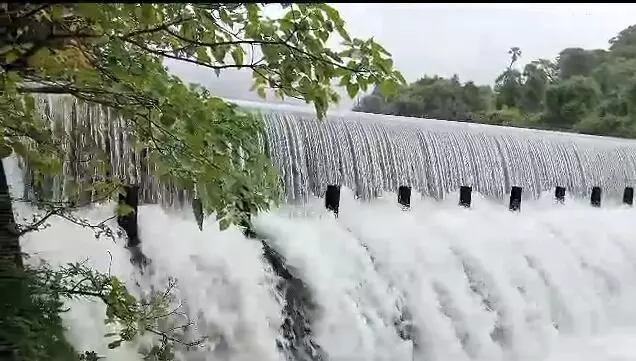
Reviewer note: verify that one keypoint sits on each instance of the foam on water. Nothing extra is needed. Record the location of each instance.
(483, 284)
(548, 283)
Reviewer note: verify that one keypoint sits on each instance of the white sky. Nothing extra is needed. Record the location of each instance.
(471, 40)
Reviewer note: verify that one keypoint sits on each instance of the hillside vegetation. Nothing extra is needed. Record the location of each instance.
(589, 91)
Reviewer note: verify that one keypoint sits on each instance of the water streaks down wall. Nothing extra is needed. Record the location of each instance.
(99, 142)
(371, 154)
(374, 153)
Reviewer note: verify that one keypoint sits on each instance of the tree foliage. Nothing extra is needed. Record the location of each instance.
(33, 300)
(584, 90)
(112, 54)
(33, 296)
(431, 97)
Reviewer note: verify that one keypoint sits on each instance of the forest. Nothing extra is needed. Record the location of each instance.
(591, 91)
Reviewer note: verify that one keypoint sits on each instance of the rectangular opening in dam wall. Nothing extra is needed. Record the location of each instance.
(559, 194)
(515, 199)
(332, 198)
(404, 196)
(465, 196)
(128, 220)
(628, 196)
(595, 197)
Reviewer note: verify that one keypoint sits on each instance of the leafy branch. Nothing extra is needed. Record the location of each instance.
(133, 317)
(112, 54)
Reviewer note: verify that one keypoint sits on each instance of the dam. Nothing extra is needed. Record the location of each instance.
(437, 282)
(372, 153)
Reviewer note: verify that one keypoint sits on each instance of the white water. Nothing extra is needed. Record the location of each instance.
(570, 265)
(373, 153)
(369, 153)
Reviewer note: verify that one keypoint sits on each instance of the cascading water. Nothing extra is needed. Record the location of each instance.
(374, 153)
(437, 282)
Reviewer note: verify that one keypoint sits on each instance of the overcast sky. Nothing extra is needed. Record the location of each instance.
(471, 40)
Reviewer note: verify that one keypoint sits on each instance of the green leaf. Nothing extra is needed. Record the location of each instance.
(225, 17)
(187, 30)
(29, 102)
(219, 53)
(323, 35)
(286, 25)
(399, 77)
(388, 88)
(167, 120)
(148, 15)
(5, 150)
(56, 12)
(202, 55)
(252, 12)
(223, 224)
(352, 89)
(124, 210)
(346, 79)
(261, 92)
(237, 55)
(11, 55)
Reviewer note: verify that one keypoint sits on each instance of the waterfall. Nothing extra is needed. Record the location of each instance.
(373, 153)
(434, 283)
(98, 142)
(370, 154)
(479, 284)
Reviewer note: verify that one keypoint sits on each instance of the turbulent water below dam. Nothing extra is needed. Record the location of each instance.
(436, 282)
(551, 283)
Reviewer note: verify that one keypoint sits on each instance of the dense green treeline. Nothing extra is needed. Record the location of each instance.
(589, 91)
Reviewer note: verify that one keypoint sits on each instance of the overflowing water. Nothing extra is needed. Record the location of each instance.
(373, 153)
(435, 283)
(368, 153)
(551, 283)
(99, 142)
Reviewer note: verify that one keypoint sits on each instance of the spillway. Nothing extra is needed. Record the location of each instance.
(372, 154)
(434, 283)
(376, 153)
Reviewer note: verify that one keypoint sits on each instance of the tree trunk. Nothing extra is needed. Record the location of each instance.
(10, 266)
(10, 251)
(128, 222)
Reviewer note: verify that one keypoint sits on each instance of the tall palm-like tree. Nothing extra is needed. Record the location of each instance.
(515, 54)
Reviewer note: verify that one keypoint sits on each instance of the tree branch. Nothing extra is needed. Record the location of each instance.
(34, 11)
(37, 224)
(176, 57)
(164, 26)
(264, 42)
